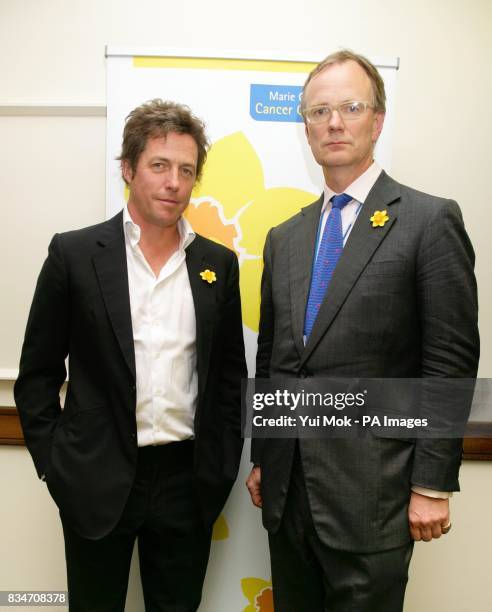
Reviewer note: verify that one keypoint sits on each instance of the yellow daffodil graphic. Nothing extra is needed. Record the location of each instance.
(259, 594)
(379, 218)
(232, 206)
(221, 529)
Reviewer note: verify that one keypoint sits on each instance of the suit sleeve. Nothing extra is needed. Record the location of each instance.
(266, 332)
(266, 328)
(447, 298)
(233, 363)
(42, 366)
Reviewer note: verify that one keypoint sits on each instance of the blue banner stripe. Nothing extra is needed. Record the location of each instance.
(275, 103)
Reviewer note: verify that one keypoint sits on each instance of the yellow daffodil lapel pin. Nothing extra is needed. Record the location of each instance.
(208, 276)
(379, 218)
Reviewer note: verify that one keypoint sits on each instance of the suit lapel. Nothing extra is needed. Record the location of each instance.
(204, 300)
(301, 253)
(112, 272)
(364, 239)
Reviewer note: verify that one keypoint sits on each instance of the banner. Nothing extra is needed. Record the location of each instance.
(259, 172)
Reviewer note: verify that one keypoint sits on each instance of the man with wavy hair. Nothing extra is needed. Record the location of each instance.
(148, 443)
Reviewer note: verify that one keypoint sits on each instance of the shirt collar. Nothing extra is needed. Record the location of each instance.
(132, 230)
(360, 188)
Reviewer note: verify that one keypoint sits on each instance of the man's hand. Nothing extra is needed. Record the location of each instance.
(254, 486)
(427, 516)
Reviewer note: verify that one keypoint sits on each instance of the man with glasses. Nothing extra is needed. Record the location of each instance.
(374, 280)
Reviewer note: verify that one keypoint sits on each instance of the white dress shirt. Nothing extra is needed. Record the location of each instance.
(359, 190)
(164, 336)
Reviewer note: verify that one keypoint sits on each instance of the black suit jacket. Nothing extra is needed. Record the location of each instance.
(81, 308)
(402, 303)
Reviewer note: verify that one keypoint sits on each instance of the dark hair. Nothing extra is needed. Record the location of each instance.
(157, 118)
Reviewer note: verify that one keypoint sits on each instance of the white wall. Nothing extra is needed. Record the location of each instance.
(52, 178)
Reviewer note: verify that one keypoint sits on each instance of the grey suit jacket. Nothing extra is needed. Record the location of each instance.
(402, 303)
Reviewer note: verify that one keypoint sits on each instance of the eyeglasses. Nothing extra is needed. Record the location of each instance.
(347, 111)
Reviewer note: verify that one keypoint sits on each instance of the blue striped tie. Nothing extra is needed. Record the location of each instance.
(329, 253)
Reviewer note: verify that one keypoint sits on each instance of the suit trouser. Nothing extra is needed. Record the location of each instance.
(173, 545)
(309, 576)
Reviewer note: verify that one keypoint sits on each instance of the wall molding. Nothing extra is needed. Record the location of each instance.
(39, 109)
(9, 374)
(475, 448)
(10, 427)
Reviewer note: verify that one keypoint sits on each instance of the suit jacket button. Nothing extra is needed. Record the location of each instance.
(302, 373)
